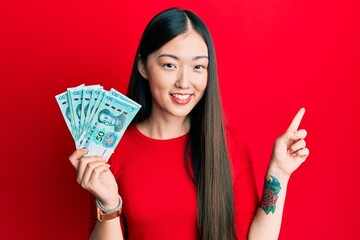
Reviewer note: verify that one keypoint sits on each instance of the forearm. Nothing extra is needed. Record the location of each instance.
(267, 221)
(109, 229)
(288, 154)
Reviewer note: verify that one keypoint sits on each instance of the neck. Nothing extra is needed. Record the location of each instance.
(160, 128)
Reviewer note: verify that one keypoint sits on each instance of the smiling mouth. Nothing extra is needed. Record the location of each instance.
(181, 97)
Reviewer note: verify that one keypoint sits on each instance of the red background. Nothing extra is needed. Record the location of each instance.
(274, 57)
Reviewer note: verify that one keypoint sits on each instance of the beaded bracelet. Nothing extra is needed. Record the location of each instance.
(109, 210)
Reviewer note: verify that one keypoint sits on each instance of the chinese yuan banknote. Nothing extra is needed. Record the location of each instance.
(96, 118)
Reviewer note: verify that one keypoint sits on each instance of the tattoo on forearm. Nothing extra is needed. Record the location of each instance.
(270, 195)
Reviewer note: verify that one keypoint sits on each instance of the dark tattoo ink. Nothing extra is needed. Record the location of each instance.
(270, 195)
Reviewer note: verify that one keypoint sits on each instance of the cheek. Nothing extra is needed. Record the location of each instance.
(159, 82)
(201, 83)
(157, 89)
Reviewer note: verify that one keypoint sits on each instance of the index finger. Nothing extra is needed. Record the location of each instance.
(296, 121)
(76, 155)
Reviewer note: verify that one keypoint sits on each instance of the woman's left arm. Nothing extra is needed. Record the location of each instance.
(288, 154)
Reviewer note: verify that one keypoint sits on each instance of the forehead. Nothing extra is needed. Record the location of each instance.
(188, 44)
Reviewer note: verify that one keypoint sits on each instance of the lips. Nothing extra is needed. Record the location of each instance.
(181, 98)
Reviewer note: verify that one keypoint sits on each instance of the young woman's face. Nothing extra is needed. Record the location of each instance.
(177, 75)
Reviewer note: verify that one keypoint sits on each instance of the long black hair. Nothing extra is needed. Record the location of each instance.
(210, 167)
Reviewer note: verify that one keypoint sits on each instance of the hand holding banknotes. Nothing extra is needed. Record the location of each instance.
(93, 174)
(97, 119)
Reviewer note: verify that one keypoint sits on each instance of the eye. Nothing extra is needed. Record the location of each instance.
(199, 67)
(169, 66)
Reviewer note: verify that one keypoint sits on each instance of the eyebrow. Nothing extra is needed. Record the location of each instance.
(176, 58)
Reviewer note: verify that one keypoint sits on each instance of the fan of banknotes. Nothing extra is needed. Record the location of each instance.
(96, 118)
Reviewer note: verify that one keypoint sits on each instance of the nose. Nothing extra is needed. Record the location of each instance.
(182, 79)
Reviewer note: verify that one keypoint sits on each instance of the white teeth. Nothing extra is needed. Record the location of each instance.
(181, 97)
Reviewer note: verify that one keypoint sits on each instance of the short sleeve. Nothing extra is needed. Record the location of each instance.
(245, 191)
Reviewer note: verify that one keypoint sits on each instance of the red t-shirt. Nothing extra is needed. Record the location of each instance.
(159, 198)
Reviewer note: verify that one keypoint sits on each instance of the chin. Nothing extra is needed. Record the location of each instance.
(181, 113)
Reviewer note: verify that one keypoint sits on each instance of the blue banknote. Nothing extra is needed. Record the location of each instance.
(121, 96)
(63, 102)
(75, 100)
(96, 118)
(96, 99)
(108, 126)
(86, 97)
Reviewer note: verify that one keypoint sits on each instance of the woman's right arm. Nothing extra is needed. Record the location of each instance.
(94, 175)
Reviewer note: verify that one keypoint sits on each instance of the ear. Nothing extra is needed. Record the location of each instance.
(142, 69)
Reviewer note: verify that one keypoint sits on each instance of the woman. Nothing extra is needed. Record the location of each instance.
(180, 171)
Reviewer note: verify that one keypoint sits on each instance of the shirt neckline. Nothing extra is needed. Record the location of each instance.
(140, 134)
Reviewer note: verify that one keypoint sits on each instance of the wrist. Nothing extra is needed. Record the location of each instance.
(110, 206)
(110, 203)
(104, 213)
(276, 172)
